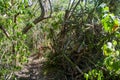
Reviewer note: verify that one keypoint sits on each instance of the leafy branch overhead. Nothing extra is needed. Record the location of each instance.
(20, 10)
(40, 18)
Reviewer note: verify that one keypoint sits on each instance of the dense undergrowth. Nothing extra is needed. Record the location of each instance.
(87, 45)
(81, 41)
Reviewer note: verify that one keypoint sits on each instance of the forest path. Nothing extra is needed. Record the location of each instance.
(33, 70)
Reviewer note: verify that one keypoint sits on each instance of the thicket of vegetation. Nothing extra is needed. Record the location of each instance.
(80, 39)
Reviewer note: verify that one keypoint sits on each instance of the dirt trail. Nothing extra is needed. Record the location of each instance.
(32, 70)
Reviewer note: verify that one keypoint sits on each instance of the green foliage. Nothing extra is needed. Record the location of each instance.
(75, 39)
(109, 21)
(103, 28)
(13, 50)
(112, 61)
(94, 75)
(111, 50)
(59, 5)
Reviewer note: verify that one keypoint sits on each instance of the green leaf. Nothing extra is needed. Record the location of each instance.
(108, 22)
(105, 9)
(86, 76)
(114, 42)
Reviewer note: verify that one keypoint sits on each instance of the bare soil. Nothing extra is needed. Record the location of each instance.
(33, 70)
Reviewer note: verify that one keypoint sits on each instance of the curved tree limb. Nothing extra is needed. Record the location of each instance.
(5, 32)
(38, 19)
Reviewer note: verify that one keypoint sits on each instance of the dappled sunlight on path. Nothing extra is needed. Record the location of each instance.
(33, 70)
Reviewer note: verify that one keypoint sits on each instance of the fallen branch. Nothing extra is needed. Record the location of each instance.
(73, 64)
